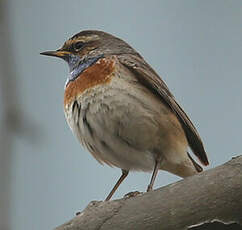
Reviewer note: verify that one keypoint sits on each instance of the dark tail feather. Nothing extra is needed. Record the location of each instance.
(196, 165)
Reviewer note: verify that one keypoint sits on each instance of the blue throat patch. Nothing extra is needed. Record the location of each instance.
(77, 66)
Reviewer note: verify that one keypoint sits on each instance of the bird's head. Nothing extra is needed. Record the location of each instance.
(85, 48)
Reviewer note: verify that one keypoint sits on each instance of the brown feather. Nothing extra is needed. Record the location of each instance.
(196, 165)
(148, 77)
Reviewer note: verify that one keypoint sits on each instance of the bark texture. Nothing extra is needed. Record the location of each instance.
(210, 200)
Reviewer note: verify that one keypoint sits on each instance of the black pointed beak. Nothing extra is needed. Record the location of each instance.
(58, 53)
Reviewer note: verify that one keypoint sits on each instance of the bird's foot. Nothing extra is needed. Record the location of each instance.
(132, 194)
(149, 188)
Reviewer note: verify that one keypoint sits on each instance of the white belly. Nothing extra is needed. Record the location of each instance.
(120, 125)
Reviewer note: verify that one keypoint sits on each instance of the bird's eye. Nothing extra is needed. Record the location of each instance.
(78, 45)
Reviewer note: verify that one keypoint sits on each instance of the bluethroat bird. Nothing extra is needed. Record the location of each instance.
(123, 112)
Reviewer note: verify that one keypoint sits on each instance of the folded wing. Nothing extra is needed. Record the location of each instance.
(148, 77)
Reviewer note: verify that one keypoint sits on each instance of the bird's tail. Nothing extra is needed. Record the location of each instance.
(196, 165)
(184, 168)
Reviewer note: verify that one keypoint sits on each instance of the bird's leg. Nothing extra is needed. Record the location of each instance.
(120, 180)
(155, 171)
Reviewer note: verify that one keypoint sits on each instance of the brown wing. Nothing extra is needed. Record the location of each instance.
(147, 76)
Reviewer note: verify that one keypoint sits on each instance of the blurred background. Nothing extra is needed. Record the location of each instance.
(45, 175)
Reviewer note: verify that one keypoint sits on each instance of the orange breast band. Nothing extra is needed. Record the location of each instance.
(96, 74)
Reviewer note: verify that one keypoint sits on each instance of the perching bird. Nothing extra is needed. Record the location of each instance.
(123, 112)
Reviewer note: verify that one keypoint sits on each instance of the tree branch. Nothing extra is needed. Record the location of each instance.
(197, 202)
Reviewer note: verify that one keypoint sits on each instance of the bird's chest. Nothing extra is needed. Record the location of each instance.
(86, 110)
(86, 98)
(85, 90)
(99, 74)
(108, 117)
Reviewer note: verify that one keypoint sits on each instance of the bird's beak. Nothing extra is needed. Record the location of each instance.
(58, 53)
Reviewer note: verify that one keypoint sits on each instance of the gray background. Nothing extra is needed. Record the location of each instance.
(196, 46)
